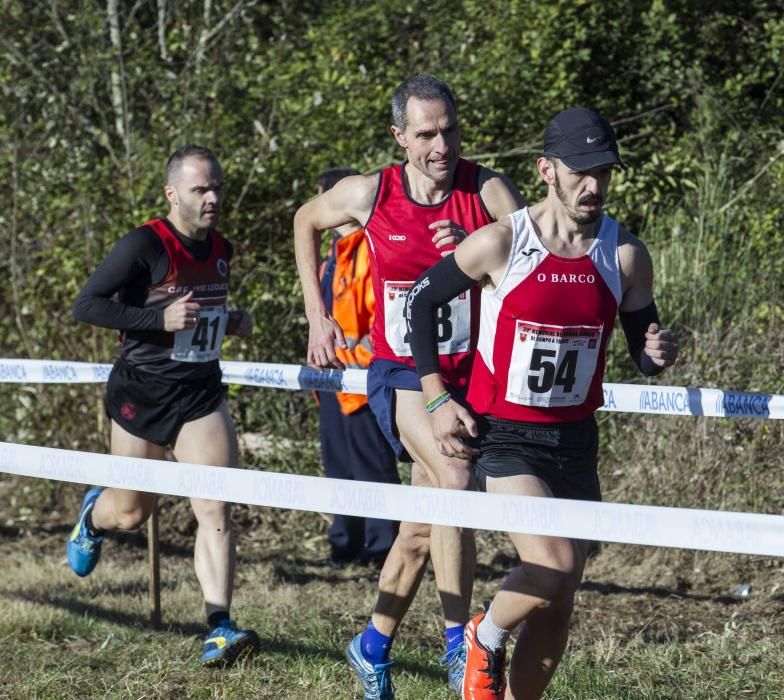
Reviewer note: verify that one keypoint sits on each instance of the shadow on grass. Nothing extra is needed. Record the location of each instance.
(298, 648)
(113, 615)
(498, 568)
(271, 645)
(48, 534)
(302, 570)
(137, 539)
(655, 591)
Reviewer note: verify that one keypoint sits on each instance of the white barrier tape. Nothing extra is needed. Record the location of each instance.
(52, 372)
(627, 398)
(278, 376)
(684, 401)
(744, 533)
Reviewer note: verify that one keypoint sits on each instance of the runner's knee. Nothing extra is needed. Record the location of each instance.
(559, 580)
(212, 514)
(131, 517)
(456, 475)
(414, 540)
(553, 576)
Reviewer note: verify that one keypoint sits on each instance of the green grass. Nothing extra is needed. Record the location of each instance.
(89, 638)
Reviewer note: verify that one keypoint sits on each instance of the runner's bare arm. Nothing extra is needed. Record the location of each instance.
(652, 347)
(481, 257)
(484, 255)
(350, 200)
(499, 194)
(636, 271)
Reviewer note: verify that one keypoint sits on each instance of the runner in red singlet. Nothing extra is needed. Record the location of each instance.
(413, 215)
(554, 277)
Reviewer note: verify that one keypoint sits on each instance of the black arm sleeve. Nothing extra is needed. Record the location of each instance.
(635, 325)
(442, 282)
(138, 261)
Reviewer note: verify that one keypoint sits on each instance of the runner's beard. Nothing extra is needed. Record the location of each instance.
(580, 218)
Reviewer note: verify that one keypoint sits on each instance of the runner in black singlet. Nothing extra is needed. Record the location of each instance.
(164, 286)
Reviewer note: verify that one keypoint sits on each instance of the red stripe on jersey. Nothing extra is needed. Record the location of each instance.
(209, 279)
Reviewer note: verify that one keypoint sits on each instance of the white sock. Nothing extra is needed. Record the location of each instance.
(491, 635)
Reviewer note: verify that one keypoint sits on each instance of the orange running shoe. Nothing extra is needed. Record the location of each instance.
(485, 675)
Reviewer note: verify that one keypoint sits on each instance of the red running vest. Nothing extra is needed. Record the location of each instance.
(401, 249)
(209, 280)
(545, 328)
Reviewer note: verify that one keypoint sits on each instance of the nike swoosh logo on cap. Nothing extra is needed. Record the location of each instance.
(588, 139)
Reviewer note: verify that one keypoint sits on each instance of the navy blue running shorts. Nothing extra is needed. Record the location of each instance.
(153, 409)
(384, 376)
(563, 455)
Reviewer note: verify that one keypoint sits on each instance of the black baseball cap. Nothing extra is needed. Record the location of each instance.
(581, 139)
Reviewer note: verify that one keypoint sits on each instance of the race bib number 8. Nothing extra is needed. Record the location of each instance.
(203, 342)
(552, 365)
(453, 319)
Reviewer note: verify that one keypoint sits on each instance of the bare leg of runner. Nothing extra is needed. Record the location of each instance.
(403, 569)
(212, 440)
(120, 509)
(452, 549)
(540, 592)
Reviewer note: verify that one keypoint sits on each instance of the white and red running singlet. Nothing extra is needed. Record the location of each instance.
(544, 329)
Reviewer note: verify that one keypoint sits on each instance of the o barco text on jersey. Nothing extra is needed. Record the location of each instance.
(564, 278)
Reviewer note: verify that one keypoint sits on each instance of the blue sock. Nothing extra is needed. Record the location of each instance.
(454, 637)
(375, 646)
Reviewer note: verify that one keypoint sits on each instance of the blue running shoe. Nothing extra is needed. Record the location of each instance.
(83, 549)
(376, 679)
(454, 662)
(225, 644)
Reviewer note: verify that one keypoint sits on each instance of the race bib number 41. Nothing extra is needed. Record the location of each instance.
(453, 319)
(203, 342)
(552, 365)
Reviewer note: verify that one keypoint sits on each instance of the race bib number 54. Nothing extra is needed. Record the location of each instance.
(203, 342)
(552, 365)
(453, 321)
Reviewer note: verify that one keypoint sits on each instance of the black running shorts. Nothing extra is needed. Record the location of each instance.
(153, 409)
(563, 455)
